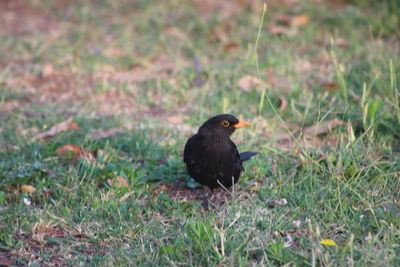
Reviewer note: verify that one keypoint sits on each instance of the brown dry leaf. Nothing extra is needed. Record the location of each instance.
(342, 42)
(283, 19)
(27, 188)
(48, 70)
(69, 151)
(331, 86)
(287, 24)
(75, 152)
(58, 128)
(118, 182)
(230, 46)
(281, 30)
(323, 127)
(175, 120)
(299, 20)
(282, 104)
(248, 82)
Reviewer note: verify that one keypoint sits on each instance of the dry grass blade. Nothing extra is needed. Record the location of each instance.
(118, 182)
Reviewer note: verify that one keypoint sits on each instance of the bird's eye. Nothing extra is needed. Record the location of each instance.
(225, 123)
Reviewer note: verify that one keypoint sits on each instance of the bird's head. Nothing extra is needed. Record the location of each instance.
(222, 125)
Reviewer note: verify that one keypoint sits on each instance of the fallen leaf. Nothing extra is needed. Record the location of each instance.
(281, 30)
(323, 127)
(75, 152)
(299, 20)
(48, 70)
(328, 242)
(175, 120)
(287, 24)
(283, 19)
(230, 46)
(118, 182)
(58, 128)
(27, 188)
(248, 82)
(342, 42)
(282, 104)
(331, 86)
(69, 151)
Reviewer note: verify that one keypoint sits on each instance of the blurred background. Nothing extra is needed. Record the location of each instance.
(192, 57)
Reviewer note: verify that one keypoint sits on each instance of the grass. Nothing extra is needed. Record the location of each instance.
(124, 71)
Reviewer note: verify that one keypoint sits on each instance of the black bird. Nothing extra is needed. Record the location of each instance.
(211, 157)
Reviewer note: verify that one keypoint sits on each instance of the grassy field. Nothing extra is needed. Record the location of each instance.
(97, 99)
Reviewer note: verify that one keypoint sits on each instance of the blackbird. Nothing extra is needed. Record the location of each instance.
(211, 157)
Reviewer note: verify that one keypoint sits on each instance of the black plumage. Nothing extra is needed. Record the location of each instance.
(211, 157)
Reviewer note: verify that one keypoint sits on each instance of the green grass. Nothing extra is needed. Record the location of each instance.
(127, 66)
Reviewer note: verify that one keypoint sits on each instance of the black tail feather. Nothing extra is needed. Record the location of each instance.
(247, 155)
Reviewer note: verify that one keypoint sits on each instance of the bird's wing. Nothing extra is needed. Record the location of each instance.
(193, 148)
(194, 157)
(186, 151)
(247, 155)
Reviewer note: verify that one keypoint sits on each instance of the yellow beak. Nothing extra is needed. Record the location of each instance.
(241, 124)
